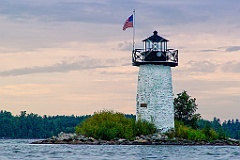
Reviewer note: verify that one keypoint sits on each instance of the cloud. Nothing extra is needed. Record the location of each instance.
(58, 67)
(74, 11)
(123, 70)
(205, 67)
(209, 50)
(231, 66)
(64, 66)
(191, 67)
(200, 67)
(149, 13)
(109, 12)
(125, 46)
(233, 48)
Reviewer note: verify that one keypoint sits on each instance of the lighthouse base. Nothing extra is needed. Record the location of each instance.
(155, 96)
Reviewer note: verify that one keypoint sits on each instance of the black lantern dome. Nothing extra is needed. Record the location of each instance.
(155, 51)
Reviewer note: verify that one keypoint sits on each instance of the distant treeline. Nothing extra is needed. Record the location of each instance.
(230, 128)
(35, 126)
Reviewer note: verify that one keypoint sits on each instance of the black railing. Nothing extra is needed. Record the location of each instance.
(168, 57)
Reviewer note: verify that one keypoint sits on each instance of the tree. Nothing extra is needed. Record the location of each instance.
(185, 108)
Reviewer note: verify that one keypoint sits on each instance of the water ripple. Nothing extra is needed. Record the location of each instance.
(22, 150)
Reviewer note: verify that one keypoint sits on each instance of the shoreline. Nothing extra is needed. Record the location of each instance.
(155, 139)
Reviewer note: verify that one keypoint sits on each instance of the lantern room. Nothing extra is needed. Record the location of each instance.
(155, 43)
(155, 51)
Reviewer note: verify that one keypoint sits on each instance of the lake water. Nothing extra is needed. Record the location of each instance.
(23, 150)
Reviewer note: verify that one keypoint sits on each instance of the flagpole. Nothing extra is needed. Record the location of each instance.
(133, 29)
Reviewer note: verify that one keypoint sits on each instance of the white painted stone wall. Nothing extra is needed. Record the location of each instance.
(155, 90)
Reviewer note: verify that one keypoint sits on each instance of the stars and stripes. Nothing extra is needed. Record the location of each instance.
(128, 23)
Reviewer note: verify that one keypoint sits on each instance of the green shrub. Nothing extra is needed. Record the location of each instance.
(108, 125)
(142, 127)
(186, 132)
(210, 133)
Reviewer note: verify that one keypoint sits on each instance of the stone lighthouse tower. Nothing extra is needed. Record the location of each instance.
(154, 90)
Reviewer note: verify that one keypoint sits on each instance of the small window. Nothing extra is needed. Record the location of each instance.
(155, 46)
(143, 105)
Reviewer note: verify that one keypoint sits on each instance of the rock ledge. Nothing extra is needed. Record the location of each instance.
(155, 139)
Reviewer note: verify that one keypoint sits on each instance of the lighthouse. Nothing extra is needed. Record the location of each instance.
(154, 100)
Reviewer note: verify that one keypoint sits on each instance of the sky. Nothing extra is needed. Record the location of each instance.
(64, 57)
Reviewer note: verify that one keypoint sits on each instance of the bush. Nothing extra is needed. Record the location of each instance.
(186, 132)
(108, 125)
(209, 132)
(142, 127)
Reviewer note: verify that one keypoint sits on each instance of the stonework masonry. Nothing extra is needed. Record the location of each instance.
(155, 96)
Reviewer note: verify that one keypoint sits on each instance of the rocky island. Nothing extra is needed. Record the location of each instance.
(113, 128)
(153, 139)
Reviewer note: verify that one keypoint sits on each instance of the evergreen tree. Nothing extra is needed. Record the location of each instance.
(185, 108)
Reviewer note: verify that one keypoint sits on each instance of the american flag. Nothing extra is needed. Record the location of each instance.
(128, 23)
